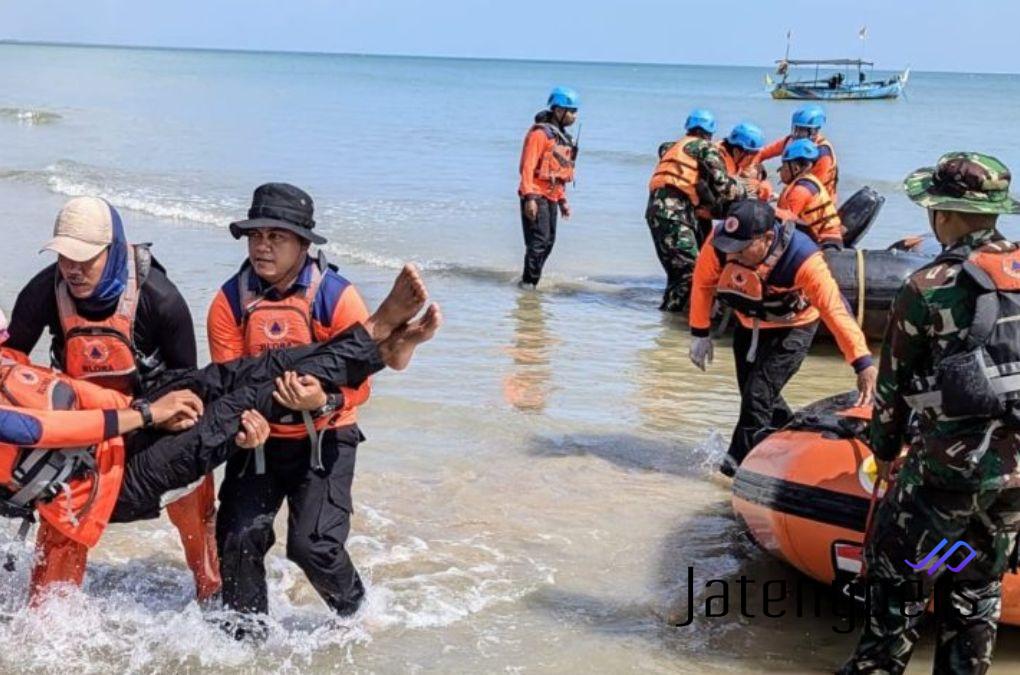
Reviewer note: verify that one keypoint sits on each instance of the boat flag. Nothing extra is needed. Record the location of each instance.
(863, 32)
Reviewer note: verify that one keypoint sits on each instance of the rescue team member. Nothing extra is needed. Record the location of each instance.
(807, 123)
(806, 198)
(102, 473)
(116, 320)
(282, 296)
(952, 337)
(741, 150)
(691, 173)
(778, 284)
(547, 165)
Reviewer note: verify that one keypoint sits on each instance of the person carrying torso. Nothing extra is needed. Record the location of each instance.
(806, 198)
(778, 284)
(948, 363)
(116, 321)
(807, 123)
(546, 166)
(80, 456)
(282, 297)
(690, 184)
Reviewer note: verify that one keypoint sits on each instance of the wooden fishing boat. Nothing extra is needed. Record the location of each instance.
(844, 84)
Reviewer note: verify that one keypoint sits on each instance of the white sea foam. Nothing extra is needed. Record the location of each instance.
(29, 116)
(137, 614)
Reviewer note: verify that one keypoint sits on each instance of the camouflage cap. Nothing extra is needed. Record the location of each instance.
(963, 181)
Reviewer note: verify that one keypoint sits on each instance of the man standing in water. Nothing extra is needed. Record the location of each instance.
(547, 165)
(949, 355)
(116, 320)
(691, 173)
(807, 122)
(283, 297)
(778, 284)
(80, 456)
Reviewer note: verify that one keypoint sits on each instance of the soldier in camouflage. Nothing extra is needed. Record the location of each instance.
(960, 479)
(690, 185)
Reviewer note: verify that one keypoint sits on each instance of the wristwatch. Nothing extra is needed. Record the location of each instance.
(333, 403)
(142, 406)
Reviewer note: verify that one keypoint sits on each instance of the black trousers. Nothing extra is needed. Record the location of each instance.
(539, 237)
(319, 512)
(779, 355)
(157, 462)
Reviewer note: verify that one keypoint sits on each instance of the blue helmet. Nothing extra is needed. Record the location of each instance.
(802, 148)
(747, 136)
(810, 117)
(563, 97)
(700, 118)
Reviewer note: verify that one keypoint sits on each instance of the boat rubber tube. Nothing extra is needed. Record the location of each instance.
(803, 492)
(882, 272)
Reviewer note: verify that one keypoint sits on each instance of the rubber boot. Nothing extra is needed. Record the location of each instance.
(194, 516)
(57, 560)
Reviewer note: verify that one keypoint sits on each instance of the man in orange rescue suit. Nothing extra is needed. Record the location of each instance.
(806, 198)
(281, 297)
(741, 152)
(547, 165)
(117, 321)
(118, 460)
(777, 282)
(807, 122)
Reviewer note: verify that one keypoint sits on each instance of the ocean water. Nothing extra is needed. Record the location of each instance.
(536, 484)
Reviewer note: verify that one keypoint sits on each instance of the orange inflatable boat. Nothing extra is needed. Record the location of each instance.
(804, 493)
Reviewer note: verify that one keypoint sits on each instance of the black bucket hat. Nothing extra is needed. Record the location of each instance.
(281, 206)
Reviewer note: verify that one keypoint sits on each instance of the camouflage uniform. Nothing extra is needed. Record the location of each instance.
(960, 481)
(677, 230)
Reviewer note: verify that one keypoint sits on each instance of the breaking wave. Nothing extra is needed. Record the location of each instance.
(191, 200)
(28, 116)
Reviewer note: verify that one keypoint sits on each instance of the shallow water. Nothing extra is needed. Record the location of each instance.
(536, 485)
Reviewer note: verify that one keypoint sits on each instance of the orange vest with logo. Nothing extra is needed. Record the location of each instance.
(677, 169)
(748, 292)
(60, 483)
(103, 352)
(556, 165)
(277, 324)
(819, 218)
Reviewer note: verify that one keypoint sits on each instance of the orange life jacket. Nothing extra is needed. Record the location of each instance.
(30, 477)
(820, 219)
(103, 352)
(556, 166)
(678, 169)
(749, 171)
(277, 324)
(748, 292)
(831, 179)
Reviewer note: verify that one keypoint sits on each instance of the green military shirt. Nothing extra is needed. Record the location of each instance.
(932, 313)
(721, 187)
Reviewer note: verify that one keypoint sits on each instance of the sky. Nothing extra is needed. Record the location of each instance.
(932, 35)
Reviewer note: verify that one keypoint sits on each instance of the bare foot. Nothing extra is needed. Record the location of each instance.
(405, 300)
(396, 351)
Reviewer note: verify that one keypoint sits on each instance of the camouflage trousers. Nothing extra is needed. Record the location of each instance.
(676, 232)
(911, 521)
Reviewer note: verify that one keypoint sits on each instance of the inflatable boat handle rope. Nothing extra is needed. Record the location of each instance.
(848, 590)
(860, 287)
